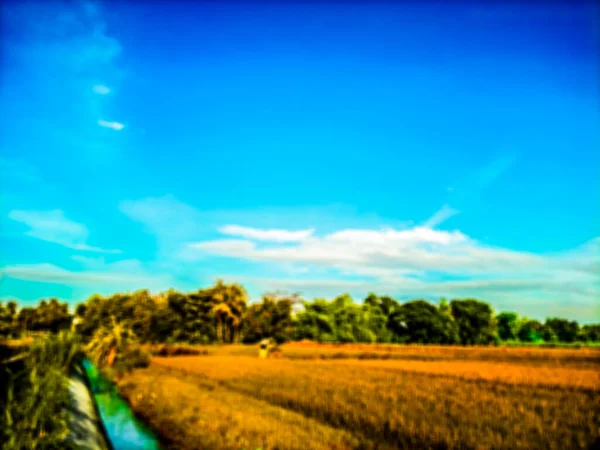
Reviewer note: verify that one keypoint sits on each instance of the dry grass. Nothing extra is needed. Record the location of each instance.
(568, 378)
(173, 350)
(454, 401)
(193, 414)
(582, 358)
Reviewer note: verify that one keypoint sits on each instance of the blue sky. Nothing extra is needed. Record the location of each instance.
(411, 149)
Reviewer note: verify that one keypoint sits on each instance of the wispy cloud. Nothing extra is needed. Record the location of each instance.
(417, 261)
(53, 226)
(271, 235)
(101, 89)
(386, 252)
(66, 37)
(168, 218)
(441, 215)
(536, 298)
(466, 194)
(66, 41)
(402, 260)
(102, 278)
(117, 126)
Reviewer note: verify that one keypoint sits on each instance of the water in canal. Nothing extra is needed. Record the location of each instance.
(124, 430)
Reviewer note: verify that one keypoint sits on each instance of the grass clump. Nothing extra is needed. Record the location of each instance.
(35, 395)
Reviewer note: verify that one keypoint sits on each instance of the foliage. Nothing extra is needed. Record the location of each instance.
(35, 397)
(529, 330)
(229, 307)
(565, 330)
(508, 324)
(590, 333)
(342, 320)
(132, 357)
(108, 342)
(475, 321)
(378, 312)
(220, 314)
(8, 316)
(270, 318)
(116, 348)
(51, 316)
(314, 322)
(419, 321)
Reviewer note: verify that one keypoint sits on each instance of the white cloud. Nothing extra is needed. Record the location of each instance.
(272, 235)
(53, 226)
(416, 261)
(117, 126)
(103, 278)
(101, 89)
(533, 298)
(386, 251)
(168, 217)
(441, 215)
(401, 261)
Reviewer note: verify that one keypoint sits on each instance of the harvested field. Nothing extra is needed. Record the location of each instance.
(455, 401)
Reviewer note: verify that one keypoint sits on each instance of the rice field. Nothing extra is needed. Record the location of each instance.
(319, 396)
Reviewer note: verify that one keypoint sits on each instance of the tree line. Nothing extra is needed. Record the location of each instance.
(221, 314)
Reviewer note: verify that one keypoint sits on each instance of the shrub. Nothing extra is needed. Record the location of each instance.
(36, 398)
(130, 358)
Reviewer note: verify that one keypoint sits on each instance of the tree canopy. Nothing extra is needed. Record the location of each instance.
(221, 314)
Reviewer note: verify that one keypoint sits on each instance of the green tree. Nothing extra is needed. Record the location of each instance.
(376, 314)
(508, 325)
(529, 330)
(475, 320)
(565, 330)
(449, 324)
(48, 316)
(164, 323)
(590, 333)
(26, 319)
(347, 316)
(548, 334)
(271, 318)
(418, 321)
(230, 303)
(8, 320)
(194, 316)
(314, 322)
(107, 342)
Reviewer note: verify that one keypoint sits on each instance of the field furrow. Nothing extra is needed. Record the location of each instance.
(399, 404)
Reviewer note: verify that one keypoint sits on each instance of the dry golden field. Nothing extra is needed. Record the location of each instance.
(318, 396)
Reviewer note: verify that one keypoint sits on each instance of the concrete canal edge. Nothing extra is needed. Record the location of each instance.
(120, 425)
(86, 430)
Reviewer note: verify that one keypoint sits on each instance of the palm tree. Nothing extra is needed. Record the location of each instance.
(234, 327)
(223, 314)
(229, 306)
(108, 341)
